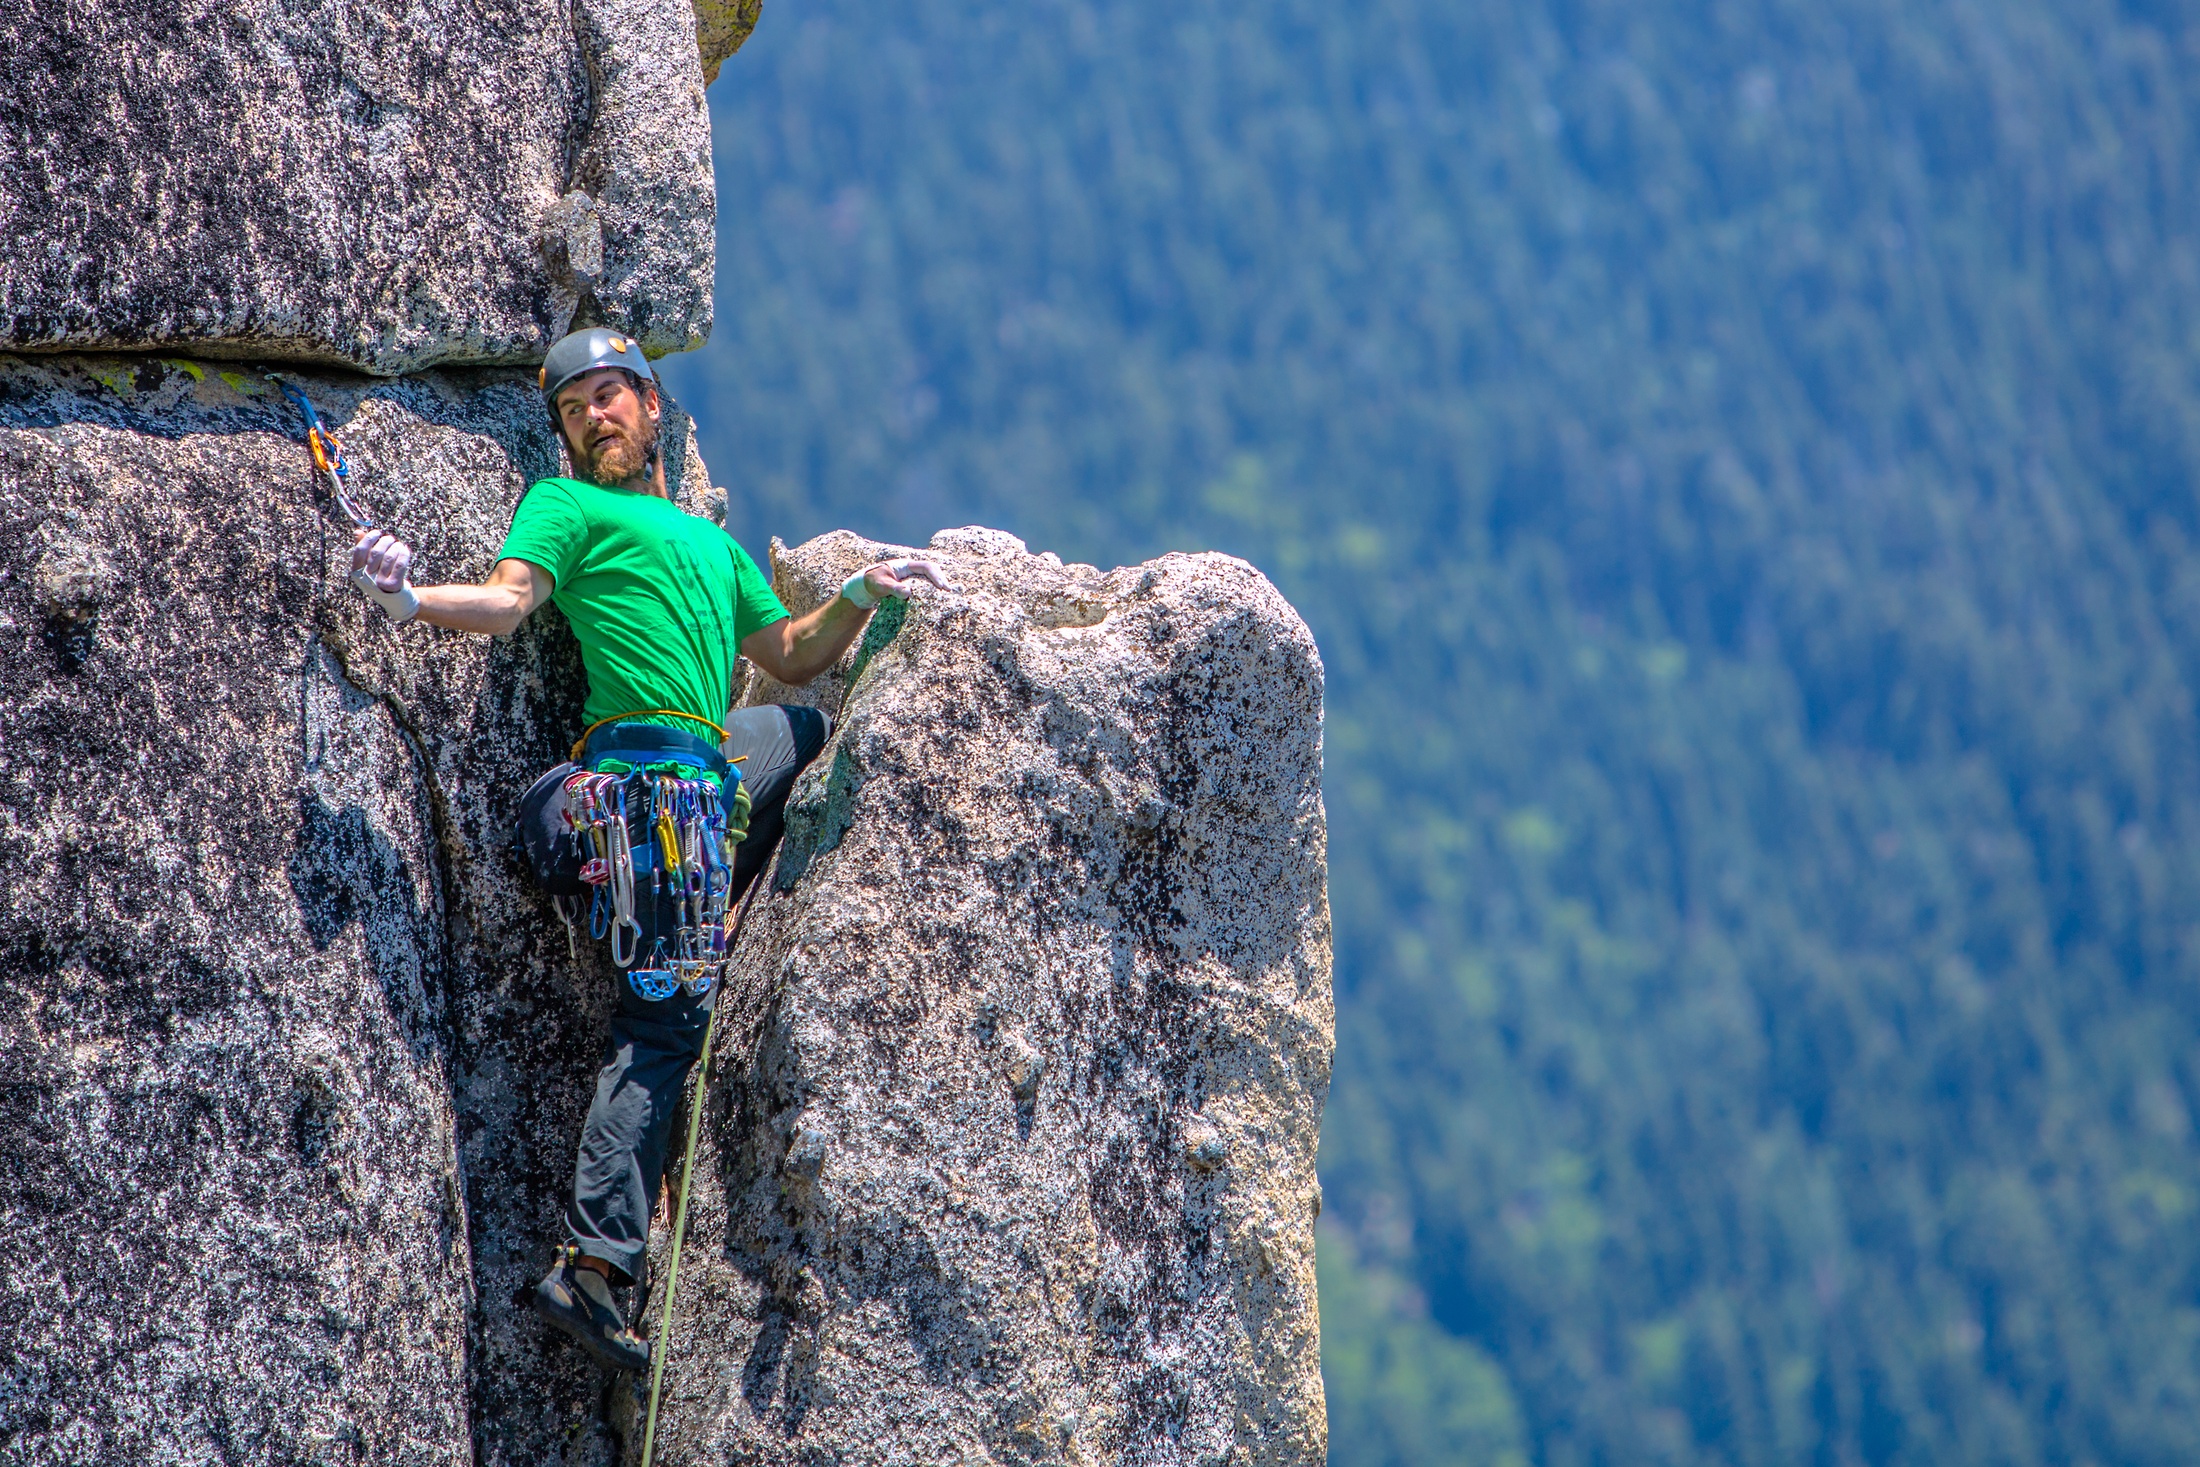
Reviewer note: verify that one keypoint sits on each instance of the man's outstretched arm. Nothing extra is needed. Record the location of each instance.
(495, 607)
(795, 649)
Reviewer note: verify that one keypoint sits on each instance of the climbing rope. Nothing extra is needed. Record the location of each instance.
(662, 1344)
(581, 743)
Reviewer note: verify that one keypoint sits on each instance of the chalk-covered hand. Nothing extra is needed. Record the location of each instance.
(380, 563)
(895, 578)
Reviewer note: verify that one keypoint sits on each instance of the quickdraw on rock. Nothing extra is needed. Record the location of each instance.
(682, 847)
(328, 455)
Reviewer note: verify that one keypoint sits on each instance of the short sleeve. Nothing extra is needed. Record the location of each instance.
(755, 606)
(549, 529)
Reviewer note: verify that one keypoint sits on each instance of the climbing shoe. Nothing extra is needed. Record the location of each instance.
(578, 1301)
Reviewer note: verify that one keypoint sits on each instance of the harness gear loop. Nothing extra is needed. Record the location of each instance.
(581, 744)
(663, 1341)
(667, 933)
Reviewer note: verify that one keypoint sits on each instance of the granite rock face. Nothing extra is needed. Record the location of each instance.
(293, 1062)
(1011, 1140)
(1011, 1154)
(385, 188)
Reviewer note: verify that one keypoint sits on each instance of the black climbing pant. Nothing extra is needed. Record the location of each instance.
(622, 1156)
(653, 1045)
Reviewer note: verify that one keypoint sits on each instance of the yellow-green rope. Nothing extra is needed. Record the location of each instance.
(662, 1344)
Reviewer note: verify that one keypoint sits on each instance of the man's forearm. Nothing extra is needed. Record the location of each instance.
(808, 644)
(798, 648)
(491, 610)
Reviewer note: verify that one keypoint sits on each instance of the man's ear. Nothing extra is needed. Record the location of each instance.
(653, 405)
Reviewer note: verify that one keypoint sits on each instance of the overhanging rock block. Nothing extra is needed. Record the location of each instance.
(1024, 1070)
(382, 187)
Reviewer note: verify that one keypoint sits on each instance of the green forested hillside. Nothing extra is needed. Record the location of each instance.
(1739, 463)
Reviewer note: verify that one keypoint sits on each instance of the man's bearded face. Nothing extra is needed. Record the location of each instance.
(617, 454)
(608, 427)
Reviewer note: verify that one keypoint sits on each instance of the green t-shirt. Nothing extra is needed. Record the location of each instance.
(660, 599)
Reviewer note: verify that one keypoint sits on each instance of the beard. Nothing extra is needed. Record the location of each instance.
(620, 457)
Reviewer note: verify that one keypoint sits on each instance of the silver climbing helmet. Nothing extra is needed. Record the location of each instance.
(585, 351)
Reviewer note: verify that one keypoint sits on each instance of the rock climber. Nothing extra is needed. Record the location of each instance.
(660, 601)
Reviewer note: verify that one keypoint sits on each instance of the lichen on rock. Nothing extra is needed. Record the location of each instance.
(721, 27)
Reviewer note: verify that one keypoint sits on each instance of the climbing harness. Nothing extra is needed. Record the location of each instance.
(328, 455)
(662, 1344)
(581, 743)
(621, 826)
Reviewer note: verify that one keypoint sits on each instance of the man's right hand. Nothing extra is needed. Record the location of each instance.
(380, 566)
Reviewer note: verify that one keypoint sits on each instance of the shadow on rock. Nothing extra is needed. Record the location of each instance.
(342, 870)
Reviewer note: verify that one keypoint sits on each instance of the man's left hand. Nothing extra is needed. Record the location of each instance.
(895, 578)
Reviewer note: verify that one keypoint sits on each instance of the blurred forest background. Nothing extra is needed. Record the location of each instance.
(1739, 462)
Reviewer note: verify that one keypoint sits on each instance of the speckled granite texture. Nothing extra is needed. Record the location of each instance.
(1013, 1159)
(390, 188)
(1010, 1153)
